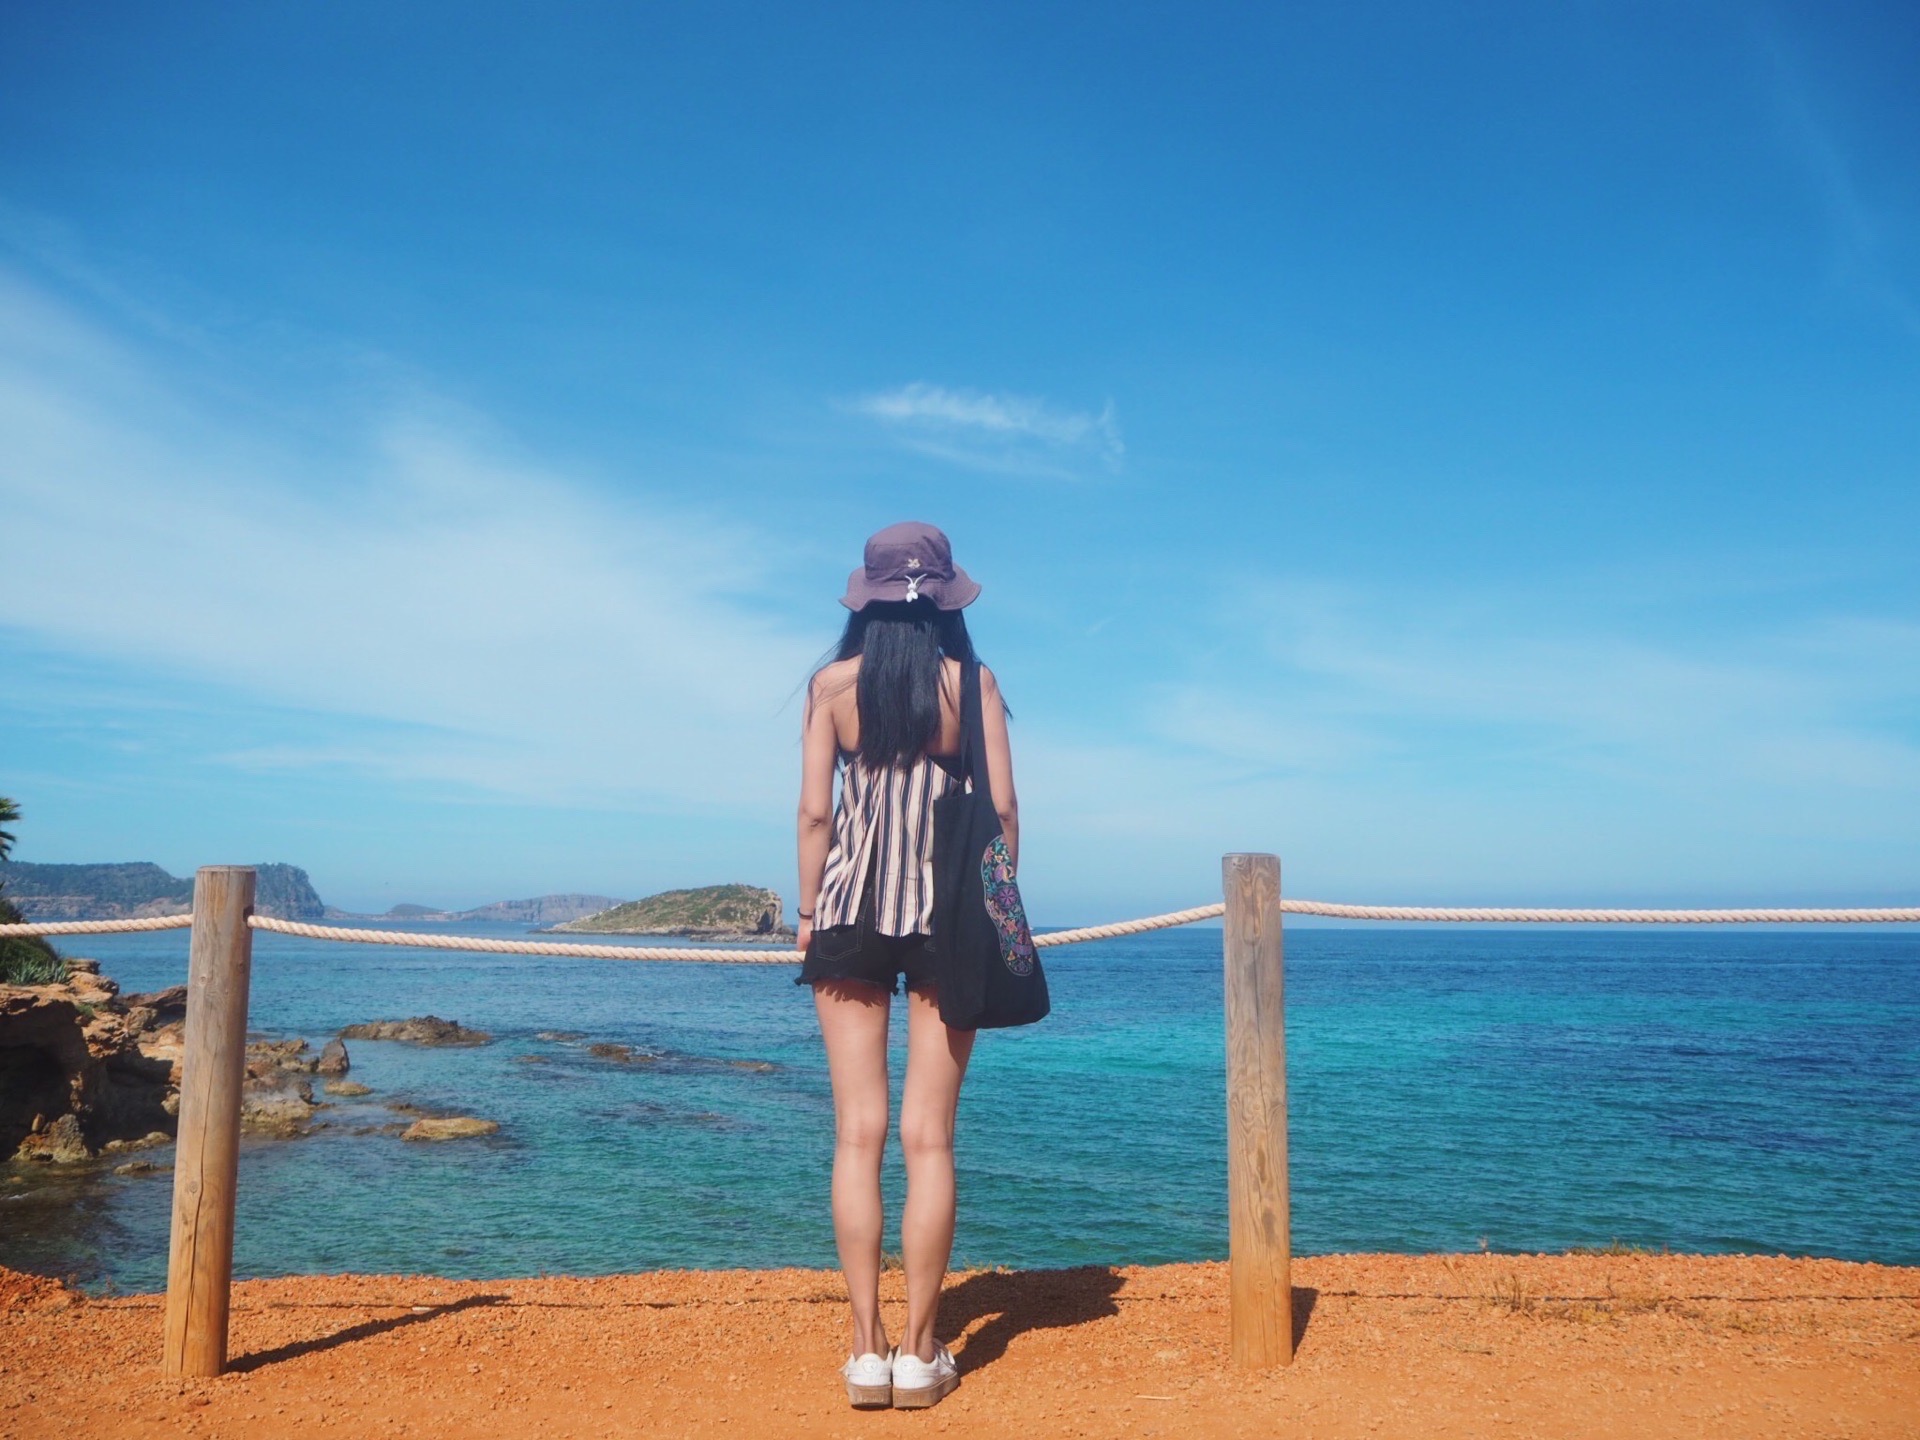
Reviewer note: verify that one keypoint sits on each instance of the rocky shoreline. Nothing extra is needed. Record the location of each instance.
(84, 1070)
(88, 1074)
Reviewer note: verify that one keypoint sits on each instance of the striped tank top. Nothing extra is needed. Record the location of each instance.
(883, 837)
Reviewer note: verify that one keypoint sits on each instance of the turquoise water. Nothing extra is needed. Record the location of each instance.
(1522, 1090)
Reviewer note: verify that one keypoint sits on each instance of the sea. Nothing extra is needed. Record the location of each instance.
(1541, 1089)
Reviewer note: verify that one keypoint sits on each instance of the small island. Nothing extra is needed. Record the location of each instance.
(713, 912)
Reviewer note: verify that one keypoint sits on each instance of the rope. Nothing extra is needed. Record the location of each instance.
(99, 927)
(1604, 917)
(769, 956)
(1131, 927)
(772, 955)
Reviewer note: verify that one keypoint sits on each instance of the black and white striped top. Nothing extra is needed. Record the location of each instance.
(883, 836)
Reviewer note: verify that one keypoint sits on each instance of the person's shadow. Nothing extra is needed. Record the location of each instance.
(1018, 1301)
(1014, 1302)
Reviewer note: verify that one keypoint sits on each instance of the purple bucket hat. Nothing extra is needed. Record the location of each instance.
(910, 561)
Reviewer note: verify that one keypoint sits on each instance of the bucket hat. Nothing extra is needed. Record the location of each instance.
(910, 561)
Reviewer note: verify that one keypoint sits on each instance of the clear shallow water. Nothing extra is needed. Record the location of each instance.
(1526, 1090)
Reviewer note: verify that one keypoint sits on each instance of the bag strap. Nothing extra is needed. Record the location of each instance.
(973, 729)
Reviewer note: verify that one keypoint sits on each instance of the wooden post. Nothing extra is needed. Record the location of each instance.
(206, 1161)
(1260, 1242)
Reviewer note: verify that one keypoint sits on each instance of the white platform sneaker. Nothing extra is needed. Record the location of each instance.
(869, 1381)
(919, 1383)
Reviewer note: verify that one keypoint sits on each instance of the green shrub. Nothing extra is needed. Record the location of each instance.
(24, 959)
(29, 960)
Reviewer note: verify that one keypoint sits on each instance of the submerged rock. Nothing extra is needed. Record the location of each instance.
(624, 1054)
(559, 1035)
(276, 1105)
(265, 1057)
(450, 1127)
(141, 1167)
(421, 1030)
(532, 1060)
(145, 1142)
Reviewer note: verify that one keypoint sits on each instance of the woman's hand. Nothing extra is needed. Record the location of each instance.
(802, 937)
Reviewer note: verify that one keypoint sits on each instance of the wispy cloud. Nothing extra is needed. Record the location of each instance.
(1444, 742)
(997, 432)
(1458, 682)
(465, 613)
(1857, 230)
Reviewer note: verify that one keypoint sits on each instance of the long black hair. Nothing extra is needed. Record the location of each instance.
(901, 644)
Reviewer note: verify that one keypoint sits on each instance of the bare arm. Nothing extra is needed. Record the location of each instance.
(818, 749)
(993, 717)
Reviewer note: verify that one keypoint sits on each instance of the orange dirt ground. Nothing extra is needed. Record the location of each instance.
(1390, 1345)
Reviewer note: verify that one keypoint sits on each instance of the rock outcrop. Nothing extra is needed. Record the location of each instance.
(80, 1067)
(421, 1030)
(59, 1143)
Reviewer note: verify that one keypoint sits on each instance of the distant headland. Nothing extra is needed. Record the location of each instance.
(140, 888)
(714, 912)
(541, 910)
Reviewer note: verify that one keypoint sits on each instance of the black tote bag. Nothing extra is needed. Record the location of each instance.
(984, 957)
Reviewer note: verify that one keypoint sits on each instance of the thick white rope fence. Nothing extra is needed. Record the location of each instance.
(784, 954)
(100, 927)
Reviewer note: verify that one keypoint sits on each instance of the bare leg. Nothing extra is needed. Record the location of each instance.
(936, 1064)
(853, 1022)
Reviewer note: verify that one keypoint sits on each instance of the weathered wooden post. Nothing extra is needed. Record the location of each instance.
(1260, 1242)
(207, 1159)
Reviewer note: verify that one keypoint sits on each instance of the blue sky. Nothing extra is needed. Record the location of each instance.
(1471, 451)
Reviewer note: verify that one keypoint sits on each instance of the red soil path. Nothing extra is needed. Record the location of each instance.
(1396, 1346)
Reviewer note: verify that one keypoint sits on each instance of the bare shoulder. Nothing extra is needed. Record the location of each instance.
(831, 680)
(988, 685)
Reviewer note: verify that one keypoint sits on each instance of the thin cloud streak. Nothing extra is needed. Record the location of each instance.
(997, 432)
(1856, 231)
(1771, 708)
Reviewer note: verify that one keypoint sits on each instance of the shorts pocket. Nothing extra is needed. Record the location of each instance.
(831, 946)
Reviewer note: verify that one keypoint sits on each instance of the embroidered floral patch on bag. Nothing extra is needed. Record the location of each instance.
(1009, 916)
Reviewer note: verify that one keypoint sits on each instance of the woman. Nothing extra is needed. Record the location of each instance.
(886, 712)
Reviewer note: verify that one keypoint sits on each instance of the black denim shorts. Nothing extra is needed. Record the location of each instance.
(860, 952)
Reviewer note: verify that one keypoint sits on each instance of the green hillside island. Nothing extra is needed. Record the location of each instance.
(713, 912)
